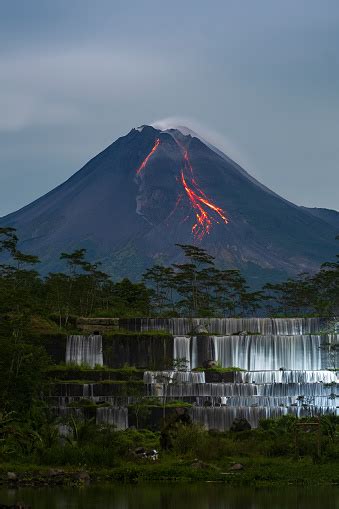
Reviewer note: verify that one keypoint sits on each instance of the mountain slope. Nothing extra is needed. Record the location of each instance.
(150, 189)
(330, 216)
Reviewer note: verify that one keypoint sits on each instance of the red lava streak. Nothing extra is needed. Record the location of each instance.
(204, 218)
(145, 161)
(206, 212)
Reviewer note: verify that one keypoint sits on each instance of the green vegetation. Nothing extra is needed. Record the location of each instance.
(63, 374)
(220, 369)
(269, 455)
(87, 403)
(156, 403)
(193, 288)
(36, 309)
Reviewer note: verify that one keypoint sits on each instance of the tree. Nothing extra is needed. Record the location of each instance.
(191, 279)
(163, 284)
(20, 285)
(317, 294)
(132, 299)
(78, 291)
(22, 367)
(292, 297)
(198, 288)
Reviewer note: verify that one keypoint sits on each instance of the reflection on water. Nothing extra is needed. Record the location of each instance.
(176, 496)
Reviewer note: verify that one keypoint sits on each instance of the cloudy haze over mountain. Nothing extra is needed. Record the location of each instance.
(264, 75)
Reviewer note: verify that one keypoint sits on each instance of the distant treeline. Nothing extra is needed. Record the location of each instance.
(195, 287)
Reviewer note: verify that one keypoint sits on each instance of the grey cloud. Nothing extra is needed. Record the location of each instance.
(57, 87)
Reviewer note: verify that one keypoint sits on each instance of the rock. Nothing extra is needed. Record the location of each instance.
(53, 472)
(140, 450)
(237, 466)
(83, 476)
(240, 424)
(152, 455)
(201, 329)
(199, 465)
(209, 364)
(11, 476)
(180, 410)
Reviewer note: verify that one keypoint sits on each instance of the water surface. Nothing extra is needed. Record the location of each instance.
(174, 496)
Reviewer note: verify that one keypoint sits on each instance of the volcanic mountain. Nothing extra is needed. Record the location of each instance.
(153, 188)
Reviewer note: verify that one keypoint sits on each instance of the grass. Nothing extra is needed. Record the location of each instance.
(126, 332)
(87, 403)
(219, 369)
(88, 376)
(259, 472)
(86, 367)
(268, 456)
(169, 404)
(99, 382)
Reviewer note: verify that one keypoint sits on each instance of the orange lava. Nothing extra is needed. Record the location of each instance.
(206, 212)
(145, 161)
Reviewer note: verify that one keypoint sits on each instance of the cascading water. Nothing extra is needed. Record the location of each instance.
(203, 389)
(185, 349)
(269, 352)
(282, 401)
(174, 377)
(285, 363)
(229, 326)
(308, 390)
(266, 390)
(221, 418)
(114, 416)
(84, 350)
(246, 390)
(286, 376)
(87, 391)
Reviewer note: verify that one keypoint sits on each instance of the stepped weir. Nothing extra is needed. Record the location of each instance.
(224, 369)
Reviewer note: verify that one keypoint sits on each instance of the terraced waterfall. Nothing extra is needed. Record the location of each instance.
(283, 366)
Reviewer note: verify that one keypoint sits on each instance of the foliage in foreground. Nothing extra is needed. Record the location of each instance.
(38, 441)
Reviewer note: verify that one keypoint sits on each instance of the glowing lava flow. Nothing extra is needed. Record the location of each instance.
(206, 212)
(199, 202)
(145, 161)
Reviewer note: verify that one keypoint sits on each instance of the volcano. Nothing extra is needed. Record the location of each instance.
(152, 189)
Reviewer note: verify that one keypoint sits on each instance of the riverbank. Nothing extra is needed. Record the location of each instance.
(236, 472)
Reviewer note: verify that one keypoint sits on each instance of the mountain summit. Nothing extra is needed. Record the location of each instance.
(153, 188)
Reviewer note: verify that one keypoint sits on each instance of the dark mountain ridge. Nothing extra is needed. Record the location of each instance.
(151, 189)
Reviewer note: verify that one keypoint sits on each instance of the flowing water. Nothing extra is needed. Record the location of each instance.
(84, 350)
(174, 377)
(264, 326)
(287, 376)
(178, 496)
(253, 352)
(285, 369)
(117, 416)
(221, 418)
(269, 352)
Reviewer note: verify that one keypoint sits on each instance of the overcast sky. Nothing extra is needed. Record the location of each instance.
(263, 75)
